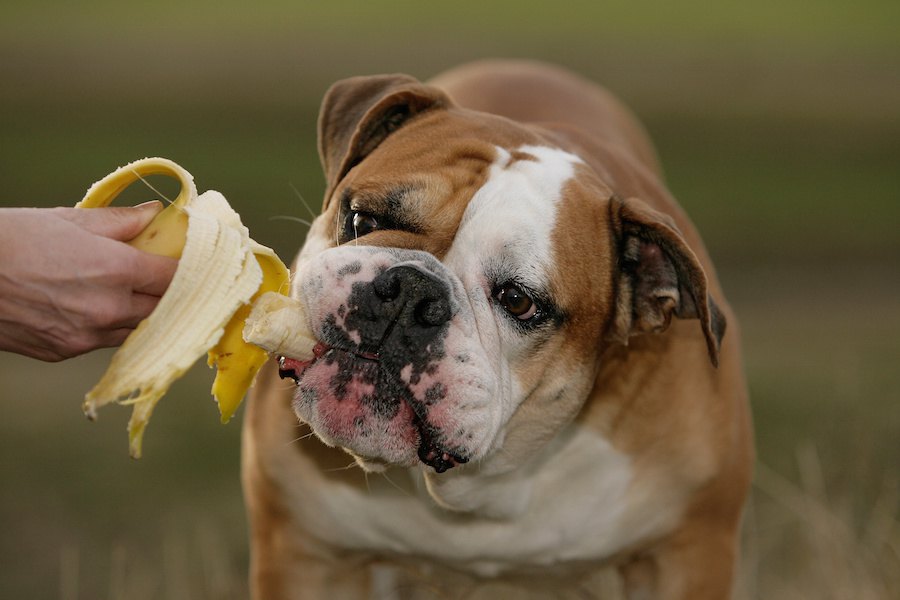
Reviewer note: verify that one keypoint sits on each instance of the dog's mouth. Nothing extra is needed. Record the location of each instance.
(291, 368)
(430, 451)
(432, 454)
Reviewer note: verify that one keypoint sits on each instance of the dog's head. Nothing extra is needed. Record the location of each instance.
(463, 279)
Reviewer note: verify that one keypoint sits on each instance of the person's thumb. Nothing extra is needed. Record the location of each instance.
(118, 223)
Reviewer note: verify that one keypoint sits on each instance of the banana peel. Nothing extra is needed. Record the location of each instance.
(237, 361)
(221, 272)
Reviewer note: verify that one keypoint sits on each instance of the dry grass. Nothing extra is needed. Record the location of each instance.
(190, 564)
(801, 541)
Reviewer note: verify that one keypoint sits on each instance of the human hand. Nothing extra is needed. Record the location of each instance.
(68, 282)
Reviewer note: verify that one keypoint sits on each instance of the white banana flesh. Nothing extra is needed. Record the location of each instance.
(279, 324)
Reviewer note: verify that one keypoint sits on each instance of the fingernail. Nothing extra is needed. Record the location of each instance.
(156, 204)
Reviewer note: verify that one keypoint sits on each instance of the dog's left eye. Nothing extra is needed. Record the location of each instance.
(516, 301)
(358, 224)
(363, 224)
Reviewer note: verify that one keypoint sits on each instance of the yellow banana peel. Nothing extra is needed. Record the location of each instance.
(236, 361)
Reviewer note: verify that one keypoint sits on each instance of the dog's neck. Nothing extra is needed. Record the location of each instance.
(493, 490)
(471, 491)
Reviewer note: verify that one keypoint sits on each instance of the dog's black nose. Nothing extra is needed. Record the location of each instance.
(399, 314)
(414, 296)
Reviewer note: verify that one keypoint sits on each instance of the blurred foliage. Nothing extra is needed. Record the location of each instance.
(778, 126)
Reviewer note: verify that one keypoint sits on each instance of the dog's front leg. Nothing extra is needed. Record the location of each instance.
(282, 570)
(696, 564)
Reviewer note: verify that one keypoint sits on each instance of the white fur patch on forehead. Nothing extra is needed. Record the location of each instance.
(514, 212)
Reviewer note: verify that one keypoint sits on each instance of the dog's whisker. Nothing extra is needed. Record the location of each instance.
(501, 450)
(303, 200)
(337, 232)
(391, 481)
(301, 438)
(347, 468)
(290, 218)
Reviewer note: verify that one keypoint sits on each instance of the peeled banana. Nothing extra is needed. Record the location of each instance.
(220, 273)
(279, 324)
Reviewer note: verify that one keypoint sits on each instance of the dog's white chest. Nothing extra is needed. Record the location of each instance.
(580, 506)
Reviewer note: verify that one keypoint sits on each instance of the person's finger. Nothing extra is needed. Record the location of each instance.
(137, 308)
(151, 273)
(118, 223)
(113, 337)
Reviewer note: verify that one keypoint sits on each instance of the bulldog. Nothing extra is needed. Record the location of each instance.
(523, 372)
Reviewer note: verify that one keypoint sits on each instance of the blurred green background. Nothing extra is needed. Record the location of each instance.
(779, 128)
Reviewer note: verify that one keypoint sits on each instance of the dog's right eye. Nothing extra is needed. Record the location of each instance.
(516, 301)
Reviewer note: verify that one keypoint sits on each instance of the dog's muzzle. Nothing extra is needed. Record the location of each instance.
(398, 316)
(384, 384)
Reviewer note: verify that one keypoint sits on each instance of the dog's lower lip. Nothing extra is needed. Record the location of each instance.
(438, 458)
(292, 368)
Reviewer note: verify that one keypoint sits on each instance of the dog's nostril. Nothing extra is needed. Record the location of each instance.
(387, 285)
(432, 313)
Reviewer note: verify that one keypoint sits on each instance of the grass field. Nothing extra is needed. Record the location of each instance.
(779, 129)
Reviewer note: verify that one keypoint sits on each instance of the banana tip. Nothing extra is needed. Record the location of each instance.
(90, 411)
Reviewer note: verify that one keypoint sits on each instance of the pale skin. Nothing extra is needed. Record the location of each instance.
(70, 284)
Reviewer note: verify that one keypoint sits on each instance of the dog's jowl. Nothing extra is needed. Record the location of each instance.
(526, 370)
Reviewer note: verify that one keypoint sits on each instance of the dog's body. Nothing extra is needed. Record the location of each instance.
(494, 279)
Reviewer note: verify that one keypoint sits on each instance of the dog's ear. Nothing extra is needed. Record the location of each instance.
(658, 277)
(358, 113)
